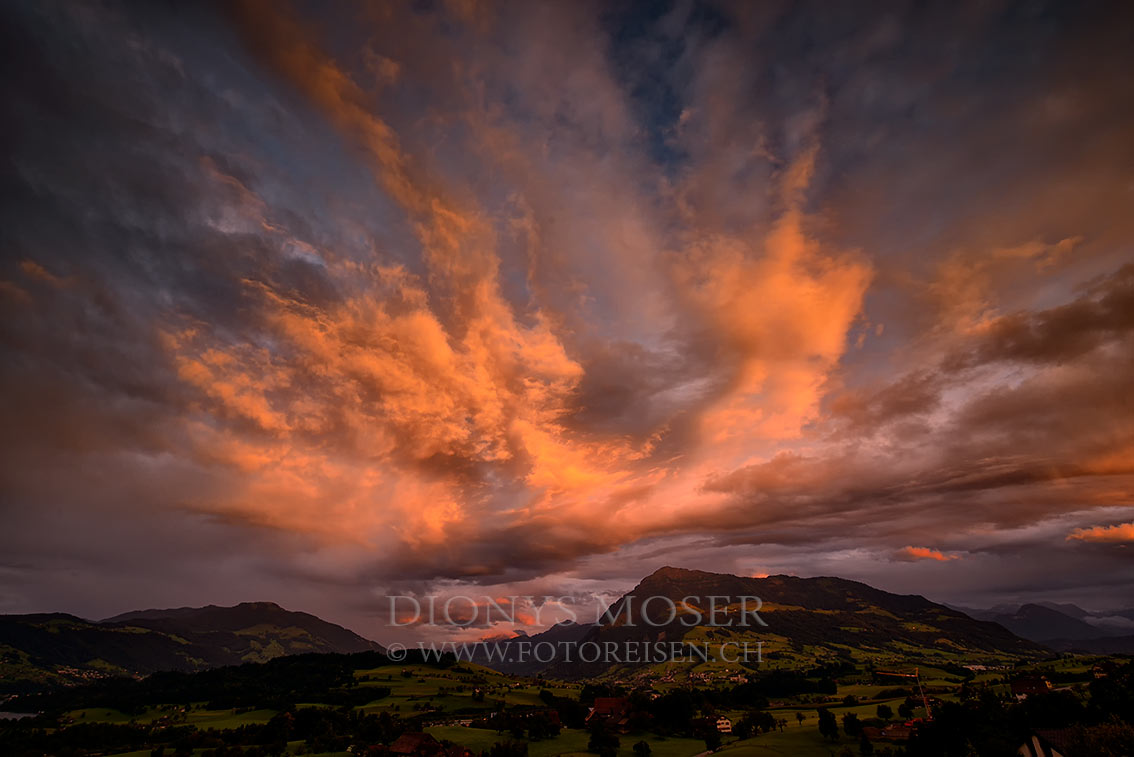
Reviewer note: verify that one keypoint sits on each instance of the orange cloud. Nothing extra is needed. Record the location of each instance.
(430, 405)
(1121, 533)
(460, 306)
(914, 554)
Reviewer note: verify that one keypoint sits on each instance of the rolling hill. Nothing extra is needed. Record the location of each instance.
(38, 651)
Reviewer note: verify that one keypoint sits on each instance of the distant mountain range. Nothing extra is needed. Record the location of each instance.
(811, 621)
(1064, 627)
(38, 651)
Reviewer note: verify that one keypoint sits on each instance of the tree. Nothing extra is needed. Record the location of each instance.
(541, 726)
(602, 741)
(509, 749)
(865, 748)
(851, 725)
(713, 740)
(885, 712)
(828, 726)
(905, 710)
(1106, 740)
(754, 723)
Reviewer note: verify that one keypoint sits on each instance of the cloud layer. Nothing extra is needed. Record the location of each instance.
(313, 307)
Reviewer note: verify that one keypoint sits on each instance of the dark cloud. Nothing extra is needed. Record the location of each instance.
(1104, 315)
(310, 304)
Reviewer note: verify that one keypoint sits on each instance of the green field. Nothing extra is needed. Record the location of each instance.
(803, 741)
(468, 691)
(569, 741)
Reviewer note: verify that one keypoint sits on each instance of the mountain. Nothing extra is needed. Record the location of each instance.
(1040, 623)
(38, 651)
(810, 622)
(1059, 625)
(262, 630)
(1070, 610)
(502, 654)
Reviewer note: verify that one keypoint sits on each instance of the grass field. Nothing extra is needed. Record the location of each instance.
(203, 719)
(293, 747)
(434, 692)
(570, 741)
(793, 742)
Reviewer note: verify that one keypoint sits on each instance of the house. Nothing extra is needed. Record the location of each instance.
(872, 733)
(1104, 668)
(1022, 688)
(613, 711)
(724, 725)
(897, 732)
(417, 745)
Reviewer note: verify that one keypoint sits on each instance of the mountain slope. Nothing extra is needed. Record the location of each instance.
(814, 610)
(1070, 610)
(1057, 625)
(38, 651)
(262, 630)
(1040, 623)
(810, 621)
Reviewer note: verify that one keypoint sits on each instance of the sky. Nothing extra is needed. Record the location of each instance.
(319, 303)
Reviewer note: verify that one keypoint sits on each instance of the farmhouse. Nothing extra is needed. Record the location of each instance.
(1022, 688)
(612, 711)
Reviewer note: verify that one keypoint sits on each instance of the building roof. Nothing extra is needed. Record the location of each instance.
(609, 705)
(897, 732)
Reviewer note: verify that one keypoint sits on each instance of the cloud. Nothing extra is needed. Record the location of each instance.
(516, 293)
(915, 554)
(1120, 533)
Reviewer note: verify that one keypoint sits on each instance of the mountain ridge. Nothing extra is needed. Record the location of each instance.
(810, 621)
(41, 650)
(1063, 627)
(154, 613)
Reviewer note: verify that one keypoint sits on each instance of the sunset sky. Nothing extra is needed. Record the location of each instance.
(315, 303)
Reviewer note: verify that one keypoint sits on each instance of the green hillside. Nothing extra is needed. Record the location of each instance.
(807, 622)
(40, 651)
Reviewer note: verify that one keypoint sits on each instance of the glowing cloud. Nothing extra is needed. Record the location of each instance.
(915, 554)
(487, 292)
(1121, 533)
